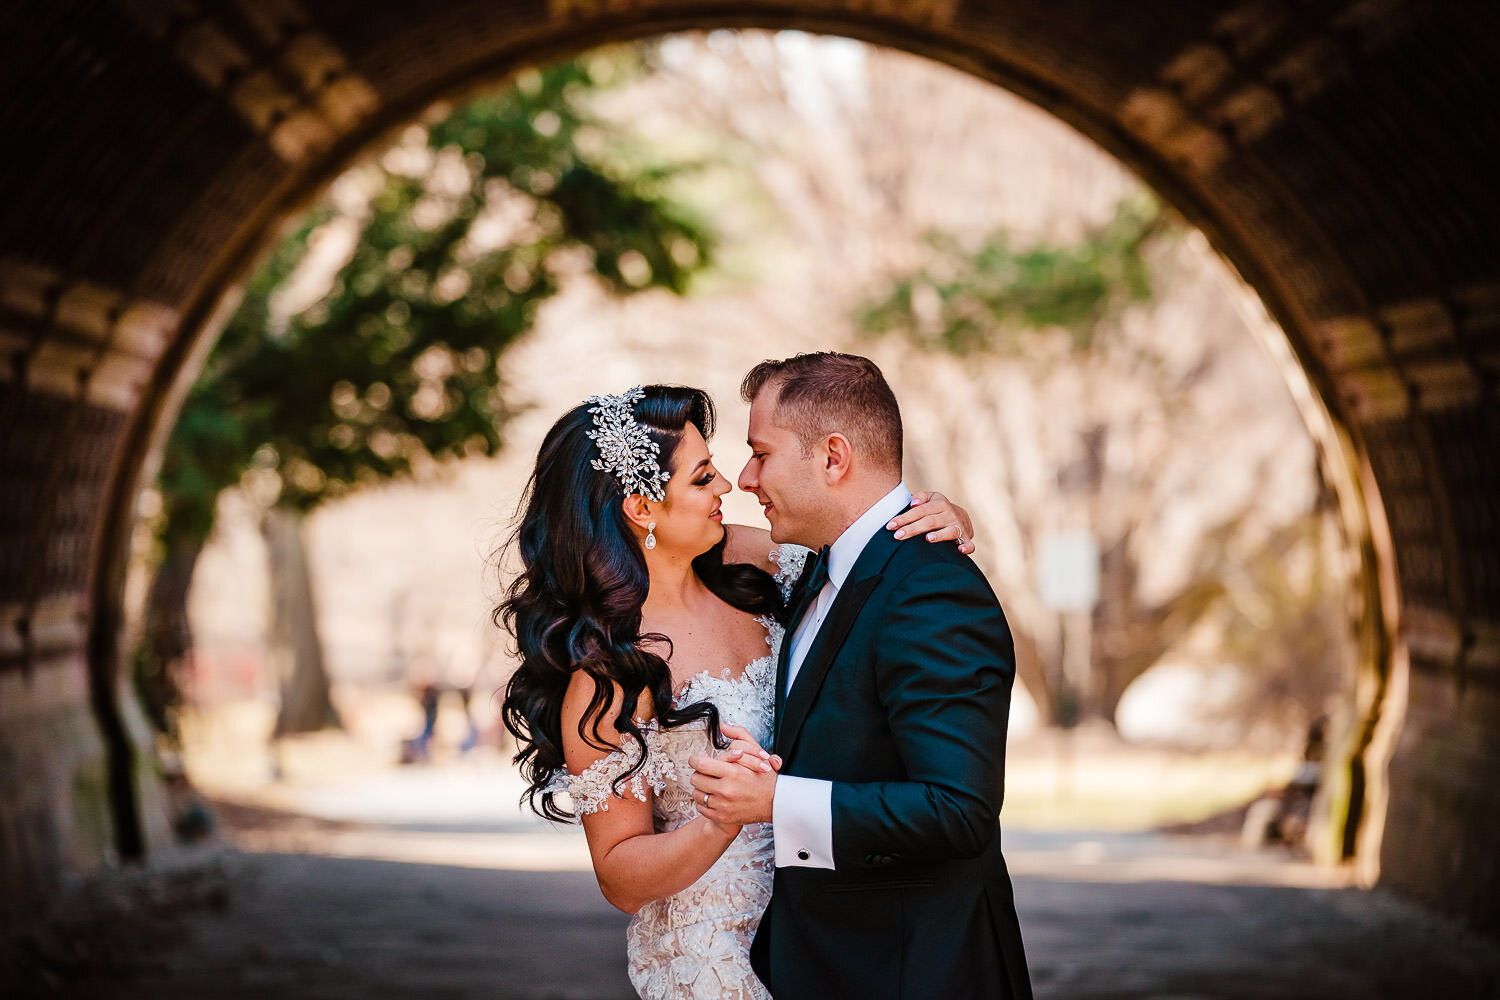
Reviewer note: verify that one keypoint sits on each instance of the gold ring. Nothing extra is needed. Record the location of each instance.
(706, 797)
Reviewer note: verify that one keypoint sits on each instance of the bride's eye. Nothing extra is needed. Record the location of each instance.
(705, 479)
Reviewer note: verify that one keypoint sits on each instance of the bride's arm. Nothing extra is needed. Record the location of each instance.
(633, 864)
(941, 518)
(751, 545)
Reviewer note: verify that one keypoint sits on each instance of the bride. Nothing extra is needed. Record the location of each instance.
(647, 631)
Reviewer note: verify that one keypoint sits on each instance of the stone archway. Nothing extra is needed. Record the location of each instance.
(1340, 155)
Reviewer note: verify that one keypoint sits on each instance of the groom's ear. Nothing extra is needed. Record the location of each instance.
(838, 457)
(638, 509)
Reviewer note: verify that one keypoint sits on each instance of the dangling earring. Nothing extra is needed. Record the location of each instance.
(650, 535)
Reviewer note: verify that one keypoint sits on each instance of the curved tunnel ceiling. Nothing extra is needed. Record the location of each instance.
(1342, 155)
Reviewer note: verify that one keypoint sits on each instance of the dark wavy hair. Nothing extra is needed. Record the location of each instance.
(576, 604)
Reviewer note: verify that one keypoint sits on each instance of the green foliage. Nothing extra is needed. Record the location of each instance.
(963, 300)
(470, 225)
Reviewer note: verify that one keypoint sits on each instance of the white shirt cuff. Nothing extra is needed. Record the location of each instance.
(802, 822)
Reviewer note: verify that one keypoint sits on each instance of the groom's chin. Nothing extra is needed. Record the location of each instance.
(781, 536)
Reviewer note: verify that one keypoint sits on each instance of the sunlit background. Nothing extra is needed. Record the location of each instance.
(1076, 367)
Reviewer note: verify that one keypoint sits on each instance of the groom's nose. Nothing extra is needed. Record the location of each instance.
(748, 479)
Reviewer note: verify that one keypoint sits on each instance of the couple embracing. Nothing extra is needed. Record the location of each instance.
(787, 749)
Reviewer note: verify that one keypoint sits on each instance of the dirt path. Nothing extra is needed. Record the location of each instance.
(1105, 918)
(277, 926)
(1130, 917)
(388, 894)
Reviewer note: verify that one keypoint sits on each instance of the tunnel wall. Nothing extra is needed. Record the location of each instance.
(54, 806)
(1341, 155)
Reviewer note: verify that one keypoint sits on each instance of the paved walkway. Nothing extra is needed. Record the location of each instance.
(423, 903)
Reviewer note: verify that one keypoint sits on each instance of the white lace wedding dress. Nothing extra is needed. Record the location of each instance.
(695, 945)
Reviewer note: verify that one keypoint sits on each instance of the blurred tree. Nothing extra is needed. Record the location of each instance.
(964, 301)
(998, 299)
(1085, 367)
(1115, 402)
(1285, 619)
(369, 343)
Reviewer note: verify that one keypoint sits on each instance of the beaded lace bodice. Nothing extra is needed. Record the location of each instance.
(696, 943)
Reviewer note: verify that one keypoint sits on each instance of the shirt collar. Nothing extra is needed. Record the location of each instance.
(847, 547)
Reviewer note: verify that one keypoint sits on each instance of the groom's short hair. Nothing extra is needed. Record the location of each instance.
(826, 392)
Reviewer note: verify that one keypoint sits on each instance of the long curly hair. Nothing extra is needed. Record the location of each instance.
(576, 605)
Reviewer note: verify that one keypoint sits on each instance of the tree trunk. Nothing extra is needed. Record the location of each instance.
(1118, 640)
(1032, 672)
(293, 649)
(166, 641)
(1130, 637)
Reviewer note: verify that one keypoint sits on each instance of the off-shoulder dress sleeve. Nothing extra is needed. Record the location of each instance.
(594, 787)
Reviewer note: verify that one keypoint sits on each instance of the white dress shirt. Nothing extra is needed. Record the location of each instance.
(802, 810)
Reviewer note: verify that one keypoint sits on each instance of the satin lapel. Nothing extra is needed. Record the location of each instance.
(782, 661)
(783, 664)
(863, 578)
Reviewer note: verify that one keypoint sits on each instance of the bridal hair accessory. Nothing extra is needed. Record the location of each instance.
(625, 447)
(651, 535)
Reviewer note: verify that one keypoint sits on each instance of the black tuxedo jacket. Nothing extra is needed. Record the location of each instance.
(902, 702)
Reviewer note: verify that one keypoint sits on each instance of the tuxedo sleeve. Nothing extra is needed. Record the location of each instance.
(944, 665)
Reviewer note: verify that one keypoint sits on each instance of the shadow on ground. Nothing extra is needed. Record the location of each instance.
(434, 886)
(292, 926)
(1098, 926)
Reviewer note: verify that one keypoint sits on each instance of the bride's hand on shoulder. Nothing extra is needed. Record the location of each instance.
(941, 518)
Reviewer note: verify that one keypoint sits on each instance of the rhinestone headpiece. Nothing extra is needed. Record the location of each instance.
(625, 446)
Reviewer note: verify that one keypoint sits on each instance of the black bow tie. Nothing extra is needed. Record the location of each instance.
(808, 585)
(815, 575)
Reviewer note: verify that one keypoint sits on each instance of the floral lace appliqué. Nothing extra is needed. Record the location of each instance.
(593, 787)
(789, 560)
(695, 944)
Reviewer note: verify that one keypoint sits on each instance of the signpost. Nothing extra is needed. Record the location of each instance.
(1068, 570)
(1068, 583)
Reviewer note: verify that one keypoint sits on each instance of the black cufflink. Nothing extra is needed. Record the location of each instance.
(803, 855)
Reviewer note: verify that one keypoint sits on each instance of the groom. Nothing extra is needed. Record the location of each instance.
(893, 693)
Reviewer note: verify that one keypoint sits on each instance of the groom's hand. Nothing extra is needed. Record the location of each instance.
(731, 792)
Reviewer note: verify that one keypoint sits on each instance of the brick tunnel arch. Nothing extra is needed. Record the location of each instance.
(1339, 154)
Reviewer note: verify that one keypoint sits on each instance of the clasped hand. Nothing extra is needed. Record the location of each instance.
(735, 786)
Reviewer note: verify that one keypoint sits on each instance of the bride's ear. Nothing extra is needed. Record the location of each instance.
(638, 509)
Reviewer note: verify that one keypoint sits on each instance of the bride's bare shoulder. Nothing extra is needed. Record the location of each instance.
(751, 545)
(582, 711)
